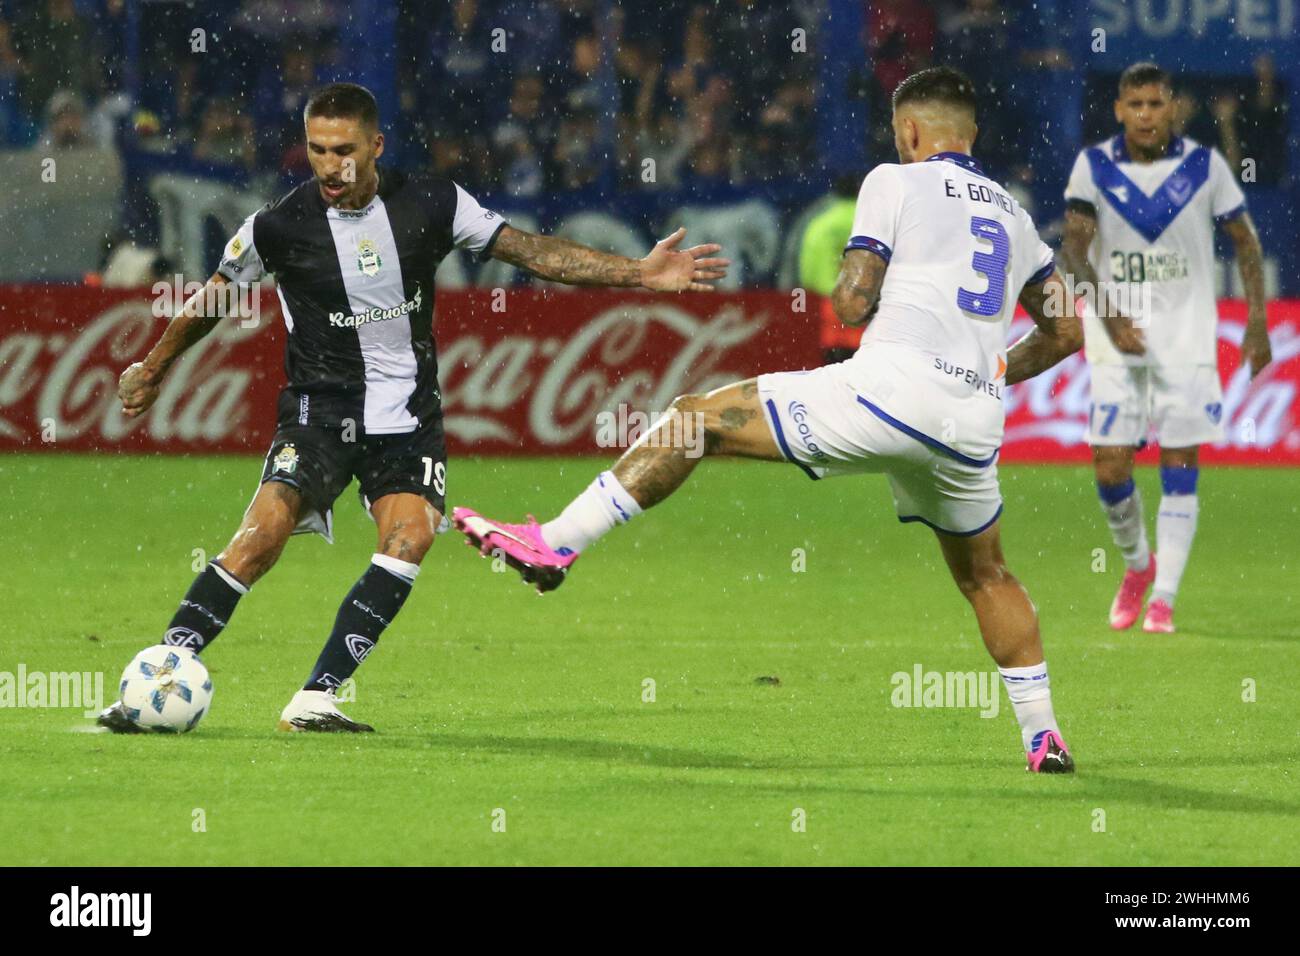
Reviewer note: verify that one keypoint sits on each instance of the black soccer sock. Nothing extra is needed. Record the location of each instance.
(207, 607)
(369, 607)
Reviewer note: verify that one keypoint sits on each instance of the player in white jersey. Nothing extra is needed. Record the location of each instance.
(939, 256)
(1140, 216)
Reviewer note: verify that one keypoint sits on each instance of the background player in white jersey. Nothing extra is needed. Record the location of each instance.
(939, 256)
(1140, 215)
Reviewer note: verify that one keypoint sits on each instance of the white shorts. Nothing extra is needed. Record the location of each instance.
(1183, 404)
(822, 424)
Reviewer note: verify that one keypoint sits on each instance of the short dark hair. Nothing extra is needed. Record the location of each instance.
(939, 84)
(343, 100)
(1141, 74)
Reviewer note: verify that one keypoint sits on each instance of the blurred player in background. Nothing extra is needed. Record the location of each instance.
(354, 251)
(1139, 231)
(824, 238)
(943, 253)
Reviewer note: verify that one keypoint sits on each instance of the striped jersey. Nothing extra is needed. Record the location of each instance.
(356, 288)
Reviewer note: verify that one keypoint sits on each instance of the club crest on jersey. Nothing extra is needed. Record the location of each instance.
(1179, 188)
(368, 260)
(286, 460)
(1214, 411)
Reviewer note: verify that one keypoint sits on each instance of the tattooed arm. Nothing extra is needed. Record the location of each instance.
(1080, 229)
(139, 384)
(1058, 332)
(665, 269)
(1255, 348)
(858, 286)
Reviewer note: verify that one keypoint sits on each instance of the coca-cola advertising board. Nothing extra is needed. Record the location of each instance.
(528, 372)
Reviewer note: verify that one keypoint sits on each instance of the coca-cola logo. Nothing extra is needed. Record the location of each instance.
(541, 388)
(568, 382)
(203, 399)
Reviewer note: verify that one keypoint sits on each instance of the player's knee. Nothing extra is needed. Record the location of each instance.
(1113, 470)
(687, 406)
(982, 577)
(1178, 457)
(253, 551)
(407, 542)
(692, 429)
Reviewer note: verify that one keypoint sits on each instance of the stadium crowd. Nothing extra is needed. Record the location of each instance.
(714, 90)
(518, 99)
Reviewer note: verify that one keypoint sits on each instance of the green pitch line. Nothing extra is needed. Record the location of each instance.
(771, 696)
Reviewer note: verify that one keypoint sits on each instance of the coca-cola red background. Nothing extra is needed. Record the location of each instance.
(527, 372)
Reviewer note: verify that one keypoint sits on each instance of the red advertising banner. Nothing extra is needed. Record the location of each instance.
(526, 372)
(1047, 415)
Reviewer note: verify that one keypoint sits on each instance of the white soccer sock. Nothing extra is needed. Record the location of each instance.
(604, 504)
(1175, 529)
(397, 567)
(1127, 526)
(1031, 699)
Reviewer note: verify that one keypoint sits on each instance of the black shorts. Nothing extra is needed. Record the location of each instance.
(320, 464)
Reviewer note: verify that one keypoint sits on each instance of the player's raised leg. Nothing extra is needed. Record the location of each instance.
(726, 421)
(1175, 530)
(1008, 623)
(406, 523)
(211, 599)
(1121, 501)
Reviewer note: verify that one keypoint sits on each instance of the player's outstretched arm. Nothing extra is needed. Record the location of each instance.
(138, 386)
(1057, 331)
(665, 269)
(857, 289)
(1080, 229)
(1255, 347)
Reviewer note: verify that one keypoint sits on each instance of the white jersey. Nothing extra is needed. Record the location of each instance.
(959, 251)
(1154, 249)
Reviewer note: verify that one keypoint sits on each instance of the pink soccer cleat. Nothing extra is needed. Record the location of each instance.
(1126, 607)
(1160, 618)
(519, 545)
(1048, 754)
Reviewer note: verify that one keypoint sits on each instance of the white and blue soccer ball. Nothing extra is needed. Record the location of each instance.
(166, 688)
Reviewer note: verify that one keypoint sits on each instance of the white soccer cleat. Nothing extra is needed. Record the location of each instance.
(318, 711)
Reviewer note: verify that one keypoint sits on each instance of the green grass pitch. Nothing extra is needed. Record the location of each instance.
(489, 697)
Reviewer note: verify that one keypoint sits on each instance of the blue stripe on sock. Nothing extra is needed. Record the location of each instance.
(1114, 494)
(1179, 480)
(612, 500)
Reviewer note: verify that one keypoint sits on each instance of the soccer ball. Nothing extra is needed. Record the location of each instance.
(166, 688)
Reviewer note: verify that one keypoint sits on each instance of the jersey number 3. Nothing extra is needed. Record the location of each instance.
(991, 265)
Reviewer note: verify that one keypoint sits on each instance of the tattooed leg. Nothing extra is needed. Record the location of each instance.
(726, 421)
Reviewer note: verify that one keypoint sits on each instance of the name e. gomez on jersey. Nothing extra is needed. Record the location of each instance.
(356, 288)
